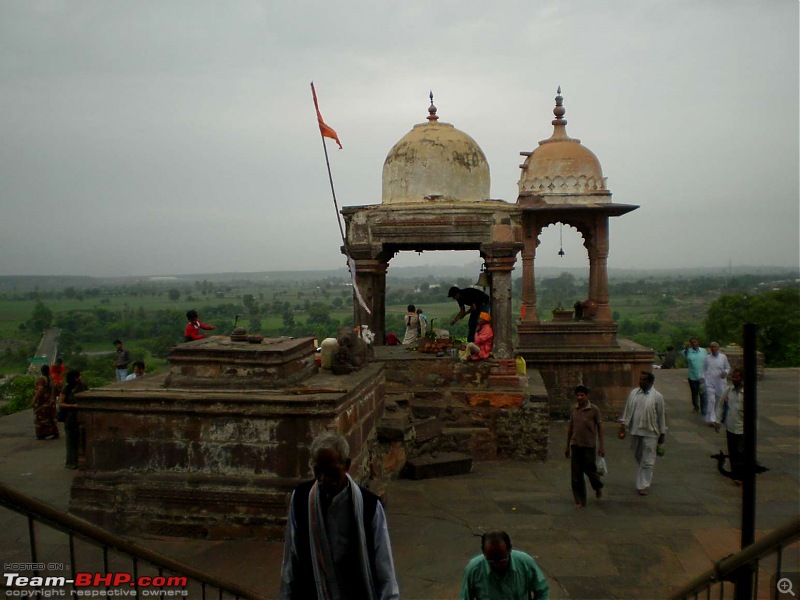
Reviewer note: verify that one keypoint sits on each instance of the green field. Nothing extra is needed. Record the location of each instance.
(149, 316)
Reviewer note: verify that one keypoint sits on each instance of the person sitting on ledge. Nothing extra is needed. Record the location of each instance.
(193, 327)
(481, 348)
(138, 370)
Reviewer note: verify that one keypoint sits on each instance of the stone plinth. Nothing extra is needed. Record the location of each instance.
(610, 374)
(566, 334)
(481, 408)
(217, 362)
(213, 463)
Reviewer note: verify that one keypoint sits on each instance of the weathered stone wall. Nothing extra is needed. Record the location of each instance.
(610, 374)
(488, 425)
(479, 408)
(213, 464)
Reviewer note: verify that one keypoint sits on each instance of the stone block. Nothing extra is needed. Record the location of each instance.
(438, 465)
(393, 427)
(426, 410)
(401, 400)
(427, 429)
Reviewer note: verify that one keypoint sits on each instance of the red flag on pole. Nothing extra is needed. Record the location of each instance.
(326, 131)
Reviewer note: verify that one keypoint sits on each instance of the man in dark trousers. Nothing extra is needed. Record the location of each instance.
(472, 302)
(337, 542)
(585, 423)
(121, 361)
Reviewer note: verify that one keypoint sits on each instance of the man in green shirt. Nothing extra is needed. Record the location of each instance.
(695, 359)
(500, 573)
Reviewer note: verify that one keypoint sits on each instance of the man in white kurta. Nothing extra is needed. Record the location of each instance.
(715, 378)
(645, 421)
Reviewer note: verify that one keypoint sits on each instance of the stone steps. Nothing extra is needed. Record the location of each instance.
(438, 465)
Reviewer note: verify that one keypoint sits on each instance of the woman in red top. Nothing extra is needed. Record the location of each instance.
(57, 372)
(193, 327)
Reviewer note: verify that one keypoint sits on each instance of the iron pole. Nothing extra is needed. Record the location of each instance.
(744, 581)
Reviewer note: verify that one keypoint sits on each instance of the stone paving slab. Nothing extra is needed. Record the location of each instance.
(625, 546)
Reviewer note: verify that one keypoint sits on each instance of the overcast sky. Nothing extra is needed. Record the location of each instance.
(180, 136)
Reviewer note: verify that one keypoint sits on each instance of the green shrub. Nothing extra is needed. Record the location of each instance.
(17, 394)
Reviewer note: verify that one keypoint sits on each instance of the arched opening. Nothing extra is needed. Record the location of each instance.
(562, 270)
(423, 279)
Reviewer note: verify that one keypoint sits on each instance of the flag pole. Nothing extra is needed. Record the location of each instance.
(328, 165)
(333, 191)
(351, 265)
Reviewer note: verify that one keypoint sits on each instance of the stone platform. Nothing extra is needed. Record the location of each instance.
(480, 408)
(609, 372)
(216, 463)
(220, 363)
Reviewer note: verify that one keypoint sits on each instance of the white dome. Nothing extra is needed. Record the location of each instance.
(435, 162)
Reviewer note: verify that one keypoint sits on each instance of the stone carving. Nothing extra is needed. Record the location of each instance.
(353, 352)
(564, 185)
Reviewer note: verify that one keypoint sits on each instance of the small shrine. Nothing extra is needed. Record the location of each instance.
(435, 197)
(562, 182)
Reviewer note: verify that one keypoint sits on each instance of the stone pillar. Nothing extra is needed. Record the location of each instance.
(528, 275)
(599, 266)
(500, 267)
(371, 282)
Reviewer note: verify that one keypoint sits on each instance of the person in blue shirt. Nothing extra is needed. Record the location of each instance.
(695, 358)
(500, 573)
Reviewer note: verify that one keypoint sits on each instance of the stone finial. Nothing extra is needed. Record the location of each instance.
(559, 111)
(432, 109)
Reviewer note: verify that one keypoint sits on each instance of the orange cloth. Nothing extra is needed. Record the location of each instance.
(484, 338)
(324, 129)
(485, 316)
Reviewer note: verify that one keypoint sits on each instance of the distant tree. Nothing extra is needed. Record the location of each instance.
(319, 314)
(41, 317)
(174, 294)
(777, 315)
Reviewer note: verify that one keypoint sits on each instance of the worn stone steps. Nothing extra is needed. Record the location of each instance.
(438, 465)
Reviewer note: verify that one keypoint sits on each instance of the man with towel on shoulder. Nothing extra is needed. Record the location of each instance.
(337, 541)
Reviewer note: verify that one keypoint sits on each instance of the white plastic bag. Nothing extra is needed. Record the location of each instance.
(602, 468)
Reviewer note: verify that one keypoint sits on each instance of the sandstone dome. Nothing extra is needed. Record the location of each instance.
(562, 166)
(435, 162)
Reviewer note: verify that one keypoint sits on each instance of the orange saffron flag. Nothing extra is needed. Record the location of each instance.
(326, 131)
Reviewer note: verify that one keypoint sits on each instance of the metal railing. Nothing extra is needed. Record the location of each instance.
(728, 569)
(169, 572)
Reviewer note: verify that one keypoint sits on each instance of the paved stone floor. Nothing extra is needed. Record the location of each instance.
(624, 546)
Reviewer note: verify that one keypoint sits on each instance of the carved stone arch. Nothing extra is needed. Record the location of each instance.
(583, 227)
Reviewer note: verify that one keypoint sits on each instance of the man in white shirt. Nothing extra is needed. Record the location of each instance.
(138, 370)
(644, 420)
(715, 378)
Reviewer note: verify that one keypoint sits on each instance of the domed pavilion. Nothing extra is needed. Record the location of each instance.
(435, 196)
(562, 182)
